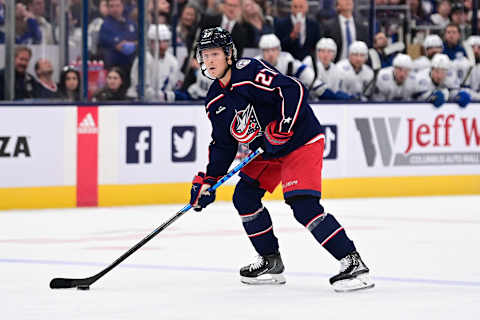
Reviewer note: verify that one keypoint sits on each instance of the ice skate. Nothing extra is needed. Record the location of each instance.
(267, 270)
(354, 275)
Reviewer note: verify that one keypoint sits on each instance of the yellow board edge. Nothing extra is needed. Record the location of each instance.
(118, 195)
(169, 193)
(38, 197)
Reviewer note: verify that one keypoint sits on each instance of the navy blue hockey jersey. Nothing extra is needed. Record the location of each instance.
(256, 95)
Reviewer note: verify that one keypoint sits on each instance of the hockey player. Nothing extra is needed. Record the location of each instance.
(434, 85)
(432, 45)
(396, 82)
(162, 73)
(326, 70)
(250, 102)
(355, 77)
(472, 79)
(286, 64)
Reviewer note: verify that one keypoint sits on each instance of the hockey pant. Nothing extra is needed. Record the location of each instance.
(306, 209)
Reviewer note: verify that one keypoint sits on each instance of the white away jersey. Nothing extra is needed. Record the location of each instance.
(328, 76)
(387, 89)
(352, 82)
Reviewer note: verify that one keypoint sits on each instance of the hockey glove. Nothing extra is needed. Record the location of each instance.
(463, 98)
(340, 95)
(437, 98)
(200, 197)
(275, 140)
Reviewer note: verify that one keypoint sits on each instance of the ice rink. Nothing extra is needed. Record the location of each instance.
(423, 253)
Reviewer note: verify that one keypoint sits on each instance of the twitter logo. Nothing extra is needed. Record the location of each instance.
(184, 144)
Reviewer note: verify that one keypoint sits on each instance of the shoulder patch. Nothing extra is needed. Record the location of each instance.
(422, 82)
(385, 77)
(242, 63)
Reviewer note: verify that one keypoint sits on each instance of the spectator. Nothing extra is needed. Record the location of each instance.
(118, 37)
(345, 29)
(459, 16)
(322, 63)
(355, 77)
(229, 20)
(418, 12)
(383, 53)
(326, 10)
(47, 88)
(451, 45)
(441, 18)
(69, 86)
(255, 19)
(187, 27)
(297, 33)
(163, 12)
(27, 30)
(37, 8)
(95, 26)
(162, 74)
(395, 83)
(25, 83)
(432, 45)
(115, 89)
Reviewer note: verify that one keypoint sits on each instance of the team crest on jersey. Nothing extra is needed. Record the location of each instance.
(242, 63)
(245, 126)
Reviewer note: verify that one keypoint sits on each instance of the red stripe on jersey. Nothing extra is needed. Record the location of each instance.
(316, 138)
(214, 100)
(299, 103)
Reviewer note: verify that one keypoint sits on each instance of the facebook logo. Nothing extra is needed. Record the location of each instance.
(139, 144)
(184, 144)
(330, 150)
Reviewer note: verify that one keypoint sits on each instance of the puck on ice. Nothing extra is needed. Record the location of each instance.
(83, 287)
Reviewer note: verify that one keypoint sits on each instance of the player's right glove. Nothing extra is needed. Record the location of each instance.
(200, 197)
(437, 98)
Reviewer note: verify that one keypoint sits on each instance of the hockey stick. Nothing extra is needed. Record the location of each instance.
(84, 283)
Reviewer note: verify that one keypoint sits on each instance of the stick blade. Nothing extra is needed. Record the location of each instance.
(62, 283)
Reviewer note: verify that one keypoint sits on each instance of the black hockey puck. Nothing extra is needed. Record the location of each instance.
(83, 287)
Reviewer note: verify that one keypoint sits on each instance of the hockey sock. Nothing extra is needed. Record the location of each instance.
(324, 227)
(255, 218)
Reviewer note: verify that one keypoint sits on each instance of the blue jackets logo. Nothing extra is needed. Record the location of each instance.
(184, 147)
(139, 144)
(330, 151)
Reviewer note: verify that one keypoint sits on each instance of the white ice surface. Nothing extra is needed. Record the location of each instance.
(423, 253)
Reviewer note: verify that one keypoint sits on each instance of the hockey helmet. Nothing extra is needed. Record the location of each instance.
(441, 61)
(269, 41)
(402, 61)
(474, 41)
(432, 41)
(215, 38)
(328, 44)
(161, 31)
(358, 47)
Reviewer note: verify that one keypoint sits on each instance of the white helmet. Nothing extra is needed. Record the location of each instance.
(328, 44)
(432, 41)
(402, 61)
(358, 47)
(441, 61)
(269, 41)
(474, 41)
(163, 32)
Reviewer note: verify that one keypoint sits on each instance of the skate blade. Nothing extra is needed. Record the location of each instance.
(265, 279)
(360, 282)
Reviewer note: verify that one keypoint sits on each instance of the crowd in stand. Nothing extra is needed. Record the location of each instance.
(324, 43)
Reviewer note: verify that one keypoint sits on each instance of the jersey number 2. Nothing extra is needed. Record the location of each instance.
(263, 78)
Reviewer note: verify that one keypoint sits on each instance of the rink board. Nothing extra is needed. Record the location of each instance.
(66, 156)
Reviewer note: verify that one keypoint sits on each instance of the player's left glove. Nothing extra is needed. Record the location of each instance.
(274, 140)
(200, 197)
(463, 98)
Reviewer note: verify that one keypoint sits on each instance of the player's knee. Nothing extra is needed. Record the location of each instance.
(247, 197)
(305, 208)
